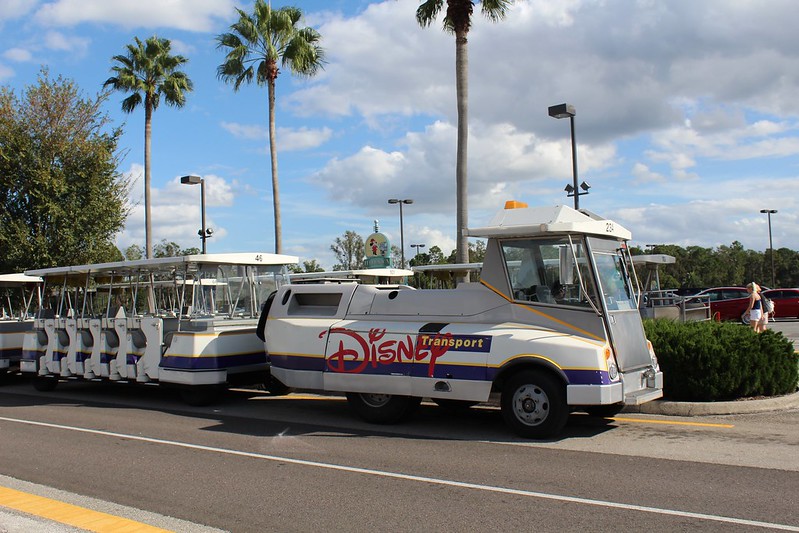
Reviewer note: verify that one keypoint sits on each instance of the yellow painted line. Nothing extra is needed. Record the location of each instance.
(671, 422)
(299, 397)
(69, 514)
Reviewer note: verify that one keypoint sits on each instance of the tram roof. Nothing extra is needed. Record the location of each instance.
(160, 264)
(518, 220)
(13, 280)
(358, 273)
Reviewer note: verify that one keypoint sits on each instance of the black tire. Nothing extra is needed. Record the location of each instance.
(745, 318)
(382, 408)
(200, 395)
(45, 383)
(604, 411)
(534, 404)
(454, 405)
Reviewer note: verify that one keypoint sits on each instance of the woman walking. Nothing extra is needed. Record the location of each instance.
(755, 309)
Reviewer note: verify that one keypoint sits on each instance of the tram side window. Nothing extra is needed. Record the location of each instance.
(546, 270)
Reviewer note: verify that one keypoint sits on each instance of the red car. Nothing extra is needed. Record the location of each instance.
(726, 303)
(786, 302)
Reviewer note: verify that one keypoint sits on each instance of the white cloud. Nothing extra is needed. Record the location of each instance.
(245, 131)
(6, 72)
(13, 9)
(290, 139)
(55, 40)
(190, 15)
(19, 55)
(181, 47)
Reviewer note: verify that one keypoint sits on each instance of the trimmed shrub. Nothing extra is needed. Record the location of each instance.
(708, 361)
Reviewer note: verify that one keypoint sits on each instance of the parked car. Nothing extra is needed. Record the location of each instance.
(786, 302)
(726, 303)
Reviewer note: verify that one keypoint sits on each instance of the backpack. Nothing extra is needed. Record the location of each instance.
(768, 305)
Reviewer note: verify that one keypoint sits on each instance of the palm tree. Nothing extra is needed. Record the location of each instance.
(458, 20)
(255, 44)
(149, 70)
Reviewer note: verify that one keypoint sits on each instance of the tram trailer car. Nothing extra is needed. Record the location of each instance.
(552, 326)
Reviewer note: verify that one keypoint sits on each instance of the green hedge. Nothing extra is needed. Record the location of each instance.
(707, 361)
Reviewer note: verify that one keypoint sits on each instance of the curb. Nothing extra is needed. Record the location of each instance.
(738, 407)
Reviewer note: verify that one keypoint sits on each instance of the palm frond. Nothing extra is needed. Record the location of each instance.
(427, 12)
(131, 102)
(495, 10)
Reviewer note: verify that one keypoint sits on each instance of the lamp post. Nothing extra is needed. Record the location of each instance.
(417, 246)
(402, 235)
(563, 111)
(204, 233)
(770, 212)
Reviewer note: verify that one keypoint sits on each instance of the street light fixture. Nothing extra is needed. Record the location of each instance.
(770, 212)
(564, 111)
(402, 233)
(204, 233)
(417, 246)
(571, 192)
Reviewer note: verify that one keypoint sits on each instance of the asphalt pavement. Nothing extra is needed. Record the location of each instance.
(17, 522)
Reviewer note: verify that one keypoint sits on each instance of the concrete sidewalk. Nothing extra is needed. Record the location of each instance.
(737, 407)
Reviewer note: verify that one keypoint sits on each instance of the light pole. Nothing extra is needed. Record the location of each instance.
(402, 235)
(770, 212)
(563, 111)
(204, 233)
(417, 246)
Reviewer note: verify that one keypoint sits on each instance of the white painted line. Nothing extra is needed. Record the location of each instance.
(421, 479)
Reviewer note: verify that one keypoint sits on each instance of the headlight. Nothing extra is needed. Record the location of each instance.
(610, 363)
(613, 372)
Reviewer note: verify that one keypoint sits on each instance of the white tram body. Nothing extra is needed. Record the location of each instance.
(186, 320)
(18, 292)
(552, 326)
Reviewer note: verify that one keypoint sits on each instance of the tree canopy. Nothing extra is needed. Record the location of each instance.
(349, 250)
(62, 200)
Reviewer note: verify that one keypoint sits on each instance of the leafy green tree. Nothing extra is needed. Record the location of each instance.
(697, 267)
(436, 256)
(458, 21)
(312, 266)
(307, 266)
(349, 250)
(173, 249)
(62, 200)
(149, 71)
(134, 252)
(254, 46)
(396, 256)
(477, 251)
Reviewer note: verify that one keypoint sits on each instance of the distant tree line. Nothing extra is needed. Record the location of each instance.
(698, 267)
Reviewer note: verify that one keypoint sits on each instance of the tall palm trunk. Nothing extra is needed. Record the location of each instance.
(462, 91)
(148, 130)
(273, 155)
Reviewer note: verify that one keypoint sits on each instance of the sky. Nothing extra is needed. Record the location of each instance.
(686, 124)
